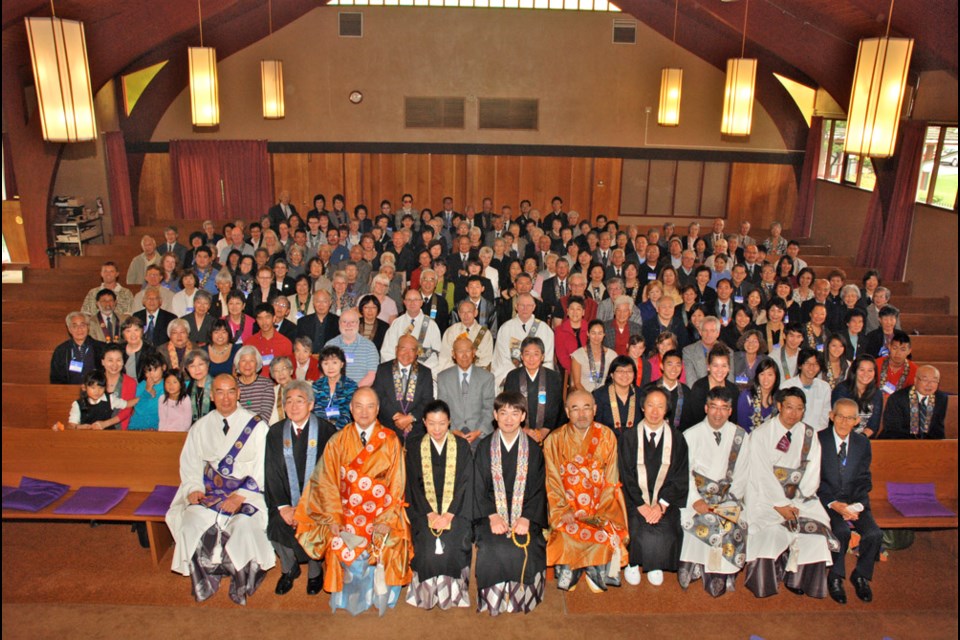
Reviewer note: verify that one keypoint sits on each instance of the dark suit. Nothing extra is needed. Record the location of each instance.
(742, 291)
(550, 295)
(552, 411)
(652, 330)
(159, 334)
(255, 299)
(289, 330)
(65, 352)
(177, 249)
(753, 277)
(438, 310)
(389, 405)
(849, 483)
(896, 417)
(200, 336)
(319, 332)
(277, 216)
(873, 343)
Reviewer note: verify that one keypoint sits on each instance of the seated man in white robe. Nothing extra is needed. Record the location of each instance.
(714, 531)
(790, 538)
(506, 355)
(219, 517)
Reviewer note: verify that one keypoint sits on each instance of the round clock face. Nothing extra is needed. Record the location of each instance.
(356, 97)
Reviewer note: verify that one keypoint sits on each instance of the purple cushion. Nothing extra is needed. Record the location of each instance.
(158, 502)
(33, 494)
(92, 501)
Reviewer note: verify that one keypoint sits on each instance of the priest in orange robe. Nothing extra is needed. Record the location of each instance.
(352, 516)
(588, 520)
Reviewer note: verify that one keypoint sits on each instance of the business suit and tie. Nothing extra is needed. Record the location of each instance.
(155, 332)
(845, 478)
(469, 394)
(176, 249)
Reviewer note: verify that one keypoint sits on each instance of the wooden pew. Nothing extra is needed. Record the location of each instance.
(135, 460)
(929, 324)
(917, 304)
(39, 310)
(34, 335)
(914, 461)
(26, 367)
(948, 376)
(37, 406)
(950, 424)
(934, 348)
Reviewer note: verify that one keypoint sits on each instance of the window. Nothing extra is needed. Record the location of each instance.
(843, 168)
(937, 185)
(568, 5)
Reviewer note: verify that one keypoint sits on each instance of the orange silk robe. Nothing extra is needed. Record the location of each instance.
(324, 500)
(586, 484)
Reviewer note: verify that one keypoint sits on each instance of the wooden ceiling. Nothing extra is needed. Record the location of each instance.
(811, 41)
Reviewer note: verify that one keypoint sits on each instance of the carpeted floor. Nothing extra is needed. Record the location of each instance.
(100, 583)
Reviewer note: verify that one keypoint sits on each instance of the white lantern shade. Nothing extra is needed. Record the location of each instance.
(671, 84)
(879, 83)
(738, 95)
(61, 73)
(204, 98)
(271, 81)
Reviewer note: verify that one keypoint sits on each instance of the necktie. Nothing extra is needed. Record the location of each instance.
(149, 330)
(652, 441)
(226, 426)
(563, 289)
(524, 327)
(109, 328)
(723, 311)
(717, 435)
(405, 380)
(843, 453)
(464, 384)
(363, 438)
(923, 407)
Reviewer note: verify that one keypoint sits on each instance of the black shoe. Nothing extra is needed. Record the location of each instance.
(862, 586)
(315, 585)
(141, 529)
(285, 583)
(835, 586)
(799, 592)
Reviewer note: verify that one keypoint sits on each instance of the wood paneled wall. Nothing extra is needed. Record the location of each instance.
(588, 185)
(760, 193)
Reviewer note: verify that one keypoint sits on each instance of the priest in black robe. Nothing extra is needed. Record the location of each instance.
(653, 499)
(511, 549)
(304, 434)
(441, 518)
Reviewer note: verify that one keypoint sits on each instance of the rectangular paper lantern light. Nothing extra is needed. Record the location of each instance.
(204, 98)
(738, 97)
(879, 82)
(671, 84)
(61, 73)
(271, 80)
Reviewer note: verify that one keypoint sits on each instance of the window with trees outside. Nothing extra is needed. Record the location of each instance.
(843, 168)
(937, 185)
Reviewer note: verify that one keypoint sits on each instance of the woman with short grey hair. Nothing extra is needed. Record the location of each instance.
(256, 390)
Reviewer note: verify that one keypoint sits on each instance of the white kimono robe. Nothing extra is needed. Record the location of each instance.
(512, 332)
(430, 343)
(709, 459)
(767, 537)
(248, 534)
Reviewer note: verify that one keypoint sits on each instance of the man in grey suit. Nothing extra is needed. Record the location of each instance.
(695, 355)
(469, 391)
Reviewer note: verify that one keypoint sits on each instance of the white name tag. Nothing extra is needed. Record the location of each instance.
(76, 366)
(542, 397)
(889, 388)
(738, 299)
(350, 358)
(333, 412)
(267, 359)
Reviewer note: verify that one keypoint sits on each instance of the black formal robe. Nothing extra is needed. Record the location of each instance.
(277, 489)
(654, 547)
(611, 416)
(693, 405)
(457, 542)
(319, 331)
(896, 417)
(498, 559)
(553, 415)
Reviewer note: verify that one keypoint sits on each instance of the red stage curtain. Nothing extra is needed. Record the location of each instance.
(118, 182)
(803, 216)
(247, 181)
(220, 179)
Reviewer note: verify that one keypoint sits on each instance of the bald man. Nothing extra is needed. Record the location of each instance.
(917, 412)
(351, 513)
(404, 387)
(588, 520)
(218, 517)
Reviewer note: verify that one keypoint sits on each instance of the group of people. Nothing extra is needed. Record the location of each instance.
(553, 391)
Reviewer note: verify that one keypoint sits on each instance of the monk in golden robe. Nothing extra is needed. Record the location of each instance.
(352, 516)
(588, 521)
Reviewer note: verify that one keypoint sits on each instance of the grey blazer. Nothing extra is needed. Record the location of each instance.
(474, 410)
(695, 363)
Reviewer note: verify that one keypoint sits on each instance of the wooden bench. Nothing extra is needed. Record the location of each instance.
(914, 461)
(920, 304)
(34, 335)
(39, 310)
(950, 424)
(948, 376)
(137, 461)
(929, 324)
(942, 348)
(37, 406)
(26, 367)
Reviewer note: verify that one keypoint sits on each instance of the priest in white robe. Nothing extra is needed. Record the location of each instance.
(714, 530)
(790, 537)
(506, 355)
(419, 325)
(218, 517)
(469, 327)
